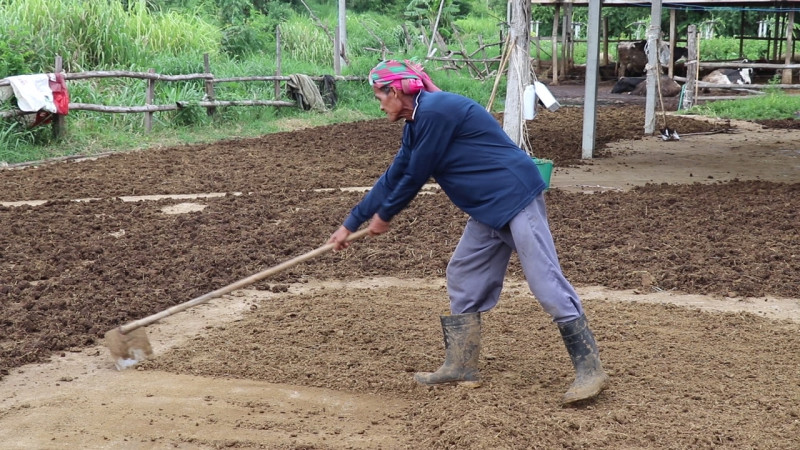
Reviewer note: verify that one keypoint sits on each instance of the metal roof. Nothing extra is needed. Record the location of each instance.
(785, 5)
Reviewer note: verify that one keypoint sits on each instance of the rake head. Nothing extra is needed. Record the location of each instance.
(128, 349)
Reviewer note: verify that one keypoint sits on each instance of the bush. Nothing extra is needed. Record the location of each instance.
(15, 54)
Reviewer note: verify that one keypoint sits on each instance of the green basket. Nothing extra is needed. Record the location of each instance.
(545, 167)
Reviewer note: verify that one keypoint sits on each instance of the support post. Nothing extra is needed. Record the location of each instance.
(337, 60)
(786, 76)
(776, 36)
(672, 41)
(341, 33)
(554, 43)
(741, 34)
(692, 68)
(538, 43)
(148, 100)
(605, 40)
(568, 40)
(277, 61)
(653, 72)
(564, 44)
(519, 72)
(592, 72)
(210, 95)
(59, 122)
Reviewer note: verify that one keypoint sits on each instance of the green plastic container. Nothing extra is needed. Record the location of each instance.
(545, 167)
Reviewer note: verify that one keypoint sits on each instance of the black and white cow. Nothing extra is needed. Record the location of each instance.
(730, 76)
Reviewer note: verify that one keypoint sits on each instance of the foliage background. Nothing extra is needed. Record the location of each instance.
(171, 36)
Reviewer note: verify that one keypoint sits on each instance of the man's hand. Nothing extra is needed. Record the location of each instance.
(377, 225)
(340, 239)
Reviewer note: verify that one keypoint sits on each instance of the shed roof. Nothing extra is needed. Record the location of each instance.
(785, 5)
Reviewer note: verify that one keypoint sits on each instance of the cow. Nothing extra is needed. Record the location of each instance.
(632, 57)
(638, 86)
(626, 84)
(729, 76)
(669, 88)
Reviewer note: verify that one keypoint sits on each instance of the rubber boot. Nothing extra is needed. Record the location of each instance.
(462, 346)
(590, 377)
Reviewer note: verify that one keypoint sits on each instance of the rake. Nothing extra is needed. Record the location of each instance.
(128, 343)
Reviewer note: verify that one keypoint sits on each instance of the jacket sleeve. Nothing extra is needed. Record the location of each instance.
(382, 189)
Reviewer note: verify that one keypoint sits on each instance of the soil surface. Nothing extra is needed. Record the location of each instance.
(686, 254)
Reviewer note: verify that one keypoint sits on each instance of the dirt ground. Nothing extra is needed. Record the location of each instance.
(686, 254)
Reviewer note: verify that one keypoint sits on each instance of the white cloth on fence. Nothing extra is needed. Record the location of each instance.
(33, 92)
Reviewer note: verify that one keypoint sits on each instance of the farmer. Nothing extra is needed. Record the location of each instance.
(457, 142)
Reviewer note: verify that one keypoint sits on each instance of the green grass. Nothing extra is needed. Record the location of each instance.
(773, 104)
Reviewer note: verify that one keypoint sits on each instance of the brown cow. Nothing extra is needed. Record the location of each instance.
(632, 57)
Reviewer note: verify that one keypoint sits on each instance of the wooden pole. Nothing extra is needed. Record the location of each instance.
(554, 42)
(337, 59)
(59, 122)
(519, 72)
(483, 55)
(538, 42)
(786, 76)
(778, 40)
(569, 40)
(605, 40)
(435, 28)
(775, 34)
(564, 55)
(341, 32)
(210, 96)
(409, 43)
(503, 60)
(672, 42)
(692, 68)
(741, 34)
(148, 100)
(277, 61)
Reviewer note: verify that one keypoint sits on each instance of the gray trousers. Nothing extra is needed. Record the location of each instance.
(478, 266)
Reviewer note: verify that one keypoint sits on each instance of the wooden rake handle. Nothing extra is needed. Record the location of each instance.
(236, 285)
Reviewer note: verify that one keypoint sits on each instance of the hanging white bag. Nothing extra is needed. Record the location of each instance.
(546, 97)
(529, 103)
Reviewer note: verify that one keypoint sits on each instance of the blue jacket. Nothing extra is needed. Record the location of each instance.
(457, 142)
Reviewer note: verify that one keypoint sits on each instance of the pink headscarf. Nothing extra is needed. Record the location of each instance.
(407, 76)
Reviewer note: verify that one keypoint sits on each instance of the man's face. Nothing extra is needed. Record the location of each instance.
(390, 102)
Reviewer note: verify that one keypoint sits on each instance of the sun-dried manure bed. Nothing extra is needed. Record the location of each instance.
(682, 378)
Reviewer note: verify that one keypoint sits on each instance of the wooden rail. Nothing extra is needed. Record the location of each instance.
(209, 102)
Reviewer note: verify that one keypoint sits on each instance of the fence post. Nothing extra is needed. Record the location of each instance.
(786, 75)
(278, 62)
(337, 60)
(151, 94)
(692, 68)
(59, 121)
(209, 86)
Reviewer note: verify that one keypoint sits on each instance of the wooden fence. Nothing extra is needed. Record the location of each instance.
(693, 84)
(210, 102)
